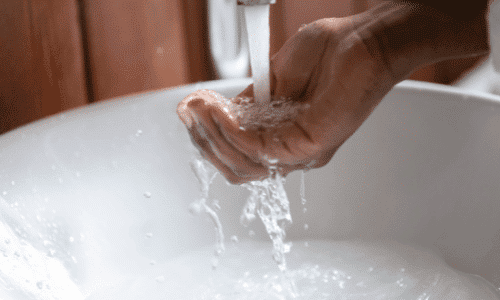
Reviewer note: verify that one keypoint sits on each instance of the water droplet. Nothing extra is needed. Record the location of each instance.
(7, 241)
(160, 279)
(242, 128)
(13, 183)
(302, 27)
(39, 284)
(147, 194)
(195, 208)
(71, 239)
(152, 262)
(234, 239)
(215, 262)
(215, 203)
(60, 180)
(77, 174)
(251, 233)
(53, 167)
(138, 133)
(304, 210)
(287, 247)
(73, 259)
(149, 235)
(403, 269)
(4, 193)
(46, 243)
(370, 269)
(306, 226)
(306, 244)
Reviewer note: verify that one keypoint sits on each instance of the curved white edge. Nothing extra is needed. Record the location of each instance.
(419, 86)
(180, 92)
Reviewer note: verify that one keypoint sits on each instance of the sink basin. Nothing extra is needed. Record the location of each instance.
(92, 196)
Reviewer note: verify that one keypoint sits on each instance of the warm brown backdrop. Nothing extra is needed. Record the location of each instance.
(60, 54)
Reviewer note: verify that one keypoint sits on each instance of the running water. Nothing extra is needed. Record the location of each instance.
(257, 21)
(268, 198)
(205, 175)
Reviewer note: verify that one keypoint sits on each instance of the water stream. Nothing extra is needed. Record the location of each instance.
(257, 21)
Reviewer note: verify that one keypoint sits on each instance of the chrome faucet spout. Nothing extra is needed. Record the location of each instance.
(255, 2)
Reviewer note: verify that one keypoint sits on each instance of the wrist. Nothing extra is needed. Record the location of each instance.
(406, 36)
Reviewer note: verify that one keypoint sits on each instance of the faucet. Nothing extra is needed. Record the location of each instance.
(494, 22)
(486, 77)
(255, 2)
(228, 36)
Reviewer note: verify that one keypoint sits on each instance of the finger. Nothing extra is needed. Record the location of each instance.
(248, 142)
(325, 158)
(206, 151)
(205, 111)
(209, 133)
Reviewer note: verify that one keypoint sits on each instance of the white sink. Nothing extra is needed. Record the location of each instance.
(103, 190)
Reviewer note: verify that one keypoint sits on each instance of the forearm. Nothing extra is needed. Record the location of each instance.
(407, 35)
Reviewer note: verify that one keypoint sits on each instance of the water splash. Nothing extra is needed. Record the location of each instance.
(26, 267)
(205, 175)
(269, 200)
(252, 115)
(257, 21)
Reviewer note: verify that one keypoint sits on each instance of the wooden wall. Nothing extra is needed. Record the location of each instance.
(40, 60)
(61, 54)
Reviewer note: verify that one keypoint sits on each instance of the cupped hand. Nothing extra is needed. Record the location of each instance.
(330, 65)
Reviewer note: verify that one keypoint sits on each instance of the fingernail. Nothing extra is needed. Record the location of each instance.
(195, 102)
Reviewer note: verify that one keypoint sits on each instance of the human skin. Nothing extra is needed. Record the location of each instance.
(342, 68)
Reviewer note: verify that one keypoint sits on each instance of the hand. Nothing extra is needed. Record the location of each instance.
(338, 66)
(325, 65)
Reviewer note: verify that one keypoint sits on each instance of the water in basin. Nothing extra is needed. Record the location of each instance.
(320, 269)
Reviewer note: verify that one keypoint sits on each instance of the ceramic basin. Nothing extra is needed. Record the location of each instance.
(93, 195)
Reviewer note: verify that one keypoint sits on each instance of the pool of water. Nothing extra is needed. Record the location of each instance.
(316, 270)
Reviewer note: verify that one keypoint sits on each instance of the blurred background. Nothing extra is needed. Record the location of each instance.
(61, 54)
